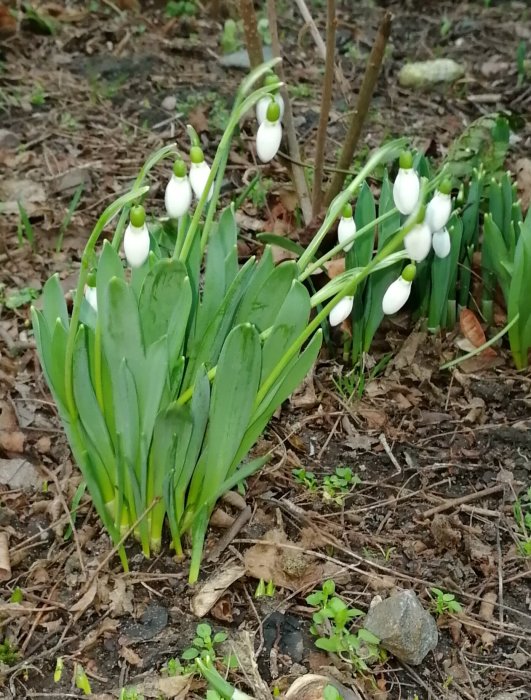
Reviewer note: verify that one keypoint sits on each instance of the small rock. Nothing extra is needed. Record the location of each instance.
(169, 103)
(311, 687)
(430, 73)
(19, 474)
(403, 626)
(240, 59)
(8, 139)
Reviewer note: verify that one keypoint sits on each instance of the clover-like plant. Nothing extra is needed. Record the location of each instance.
(167, 369)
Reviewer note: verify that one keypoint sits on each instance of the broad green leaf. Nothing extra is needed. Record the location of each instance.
(109, 265)
(261, 272)
(57, 359)
(443, 278)
(495, 250)
(126, 413)
(281, 242)
(54, 303)
(361, 252)
(261, 306)
(496, 203)
(292, 319)
(150, 385)
(233, 395)
(214, 284)
(228, 233)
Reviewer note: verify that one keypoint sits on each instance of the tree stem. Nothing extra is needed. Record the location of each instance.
(250, 28)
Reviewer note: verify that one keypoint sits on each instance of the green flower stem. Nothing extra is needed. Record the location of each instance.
(165, 152)
(213, 202)
(382, 155)
(181, 233)
(348, 290)
(107, 215)
(312, 267)
(486, 345)
(239, 110)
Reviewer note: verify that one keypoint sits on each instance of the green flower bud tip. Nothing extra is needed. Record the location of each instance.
(409, 272)
(406, 160)
(196, 155)
(446, 186)
(91, 279)
(179, 168)
(347, 211)
(271, 79)
(273, 112)
(138, 216)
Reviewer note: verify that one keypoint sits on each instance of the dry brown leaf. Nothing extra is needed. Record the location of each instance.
(130, 656)
(12, 442)
(155, 686)
(198, 119)
(222, 610)
(213, 588)
(120, 599)
(486, 609)
(523, 178)
(221, 519)
(471, 328)
(5, 565)
(86, 599)
(8, 24)
(334, 268)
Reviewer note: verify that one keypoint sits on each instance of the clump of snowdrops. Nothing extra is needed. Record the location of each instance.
(174, 357)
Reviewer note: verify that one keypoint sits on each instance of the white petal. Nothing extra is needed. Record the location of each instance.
(438, 211)
(406, 190)
(345, 229)
(92, 297)
(396, 296)
(341, 311)
(199, 173)
(418, 242)
(263, 104)
(268, 138)
(136, 245)
(441, 243)
(178, 196)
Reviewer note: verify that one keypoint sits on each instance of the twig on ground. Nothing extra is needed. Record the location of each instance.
(230, 534)
(326, 101)
(307, 17)
(368, 84)
(500, 575)
(250, 28)
(452, 503)
(299, 179)
(388, 452)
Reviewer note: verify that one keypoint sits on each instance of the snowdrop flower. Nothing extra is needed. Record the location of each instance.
(269, 134)
(136, 238)
(92, 297)
(264, 102)
(406, 188)
(178, 195)
(418, 242)
(341, 311)
(441, 243)
(398, 291)
(346, 227)
(440, 207)
(199, 173)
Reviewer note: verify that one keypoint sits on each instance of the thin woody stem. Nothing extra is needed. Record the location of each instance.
(250, 28)
(326, 100)
(372, 70)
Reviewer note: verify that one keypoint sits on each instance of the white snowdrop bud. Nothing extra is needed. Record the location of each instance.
(406, 188)
(341, 311)
(346, 227)
(92, 297)
(264, 102)
(269, 134)
(199, 173)
(136, 238)
(418, 242)
(441, 243)
(439, 208)
(178, 195)
(398, 291)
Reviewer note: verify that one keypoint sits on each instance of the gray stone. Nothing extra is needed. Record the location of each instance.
(425, 74)
(404, 628)
(169, 103)
(8, 139)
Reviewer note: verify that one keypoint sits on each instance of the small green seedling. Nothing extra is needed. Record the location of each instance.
(130, 694)
(307, 479)
(265, 590)
(231, 37)
(522, 517)
(332, 625)
(331, 693)
(338, 485)
(444, 602)
(81, 680)
(180, 8)
(25, 229)
(8, 653)
(59, 667)
(17, 596)
(203, 647)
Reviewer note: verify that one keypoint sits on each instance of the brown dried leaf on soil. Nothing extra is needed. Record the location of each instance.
(120, 599)
(523, 179)
(471, 328)
(214, 588)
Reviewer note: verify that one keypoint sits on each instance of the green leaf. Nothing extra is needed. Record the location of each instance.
(204, 630)
(109, 265)
(189, 654)
(361, 252)
(331, 644)
(54, 303)
(228, 233)
(368, 637)
(281, 242)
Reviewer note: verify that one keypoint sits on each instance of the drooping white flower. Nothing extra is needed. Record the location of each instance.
(418, 242)
(398, 291)
(441, 243)
(199, 173)
(341, 311)
(406, 188)
(269, 134)
(136, 238)
(92, 297)
(264, 102)
(178, 195)
(346, 227)
(439, 208)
